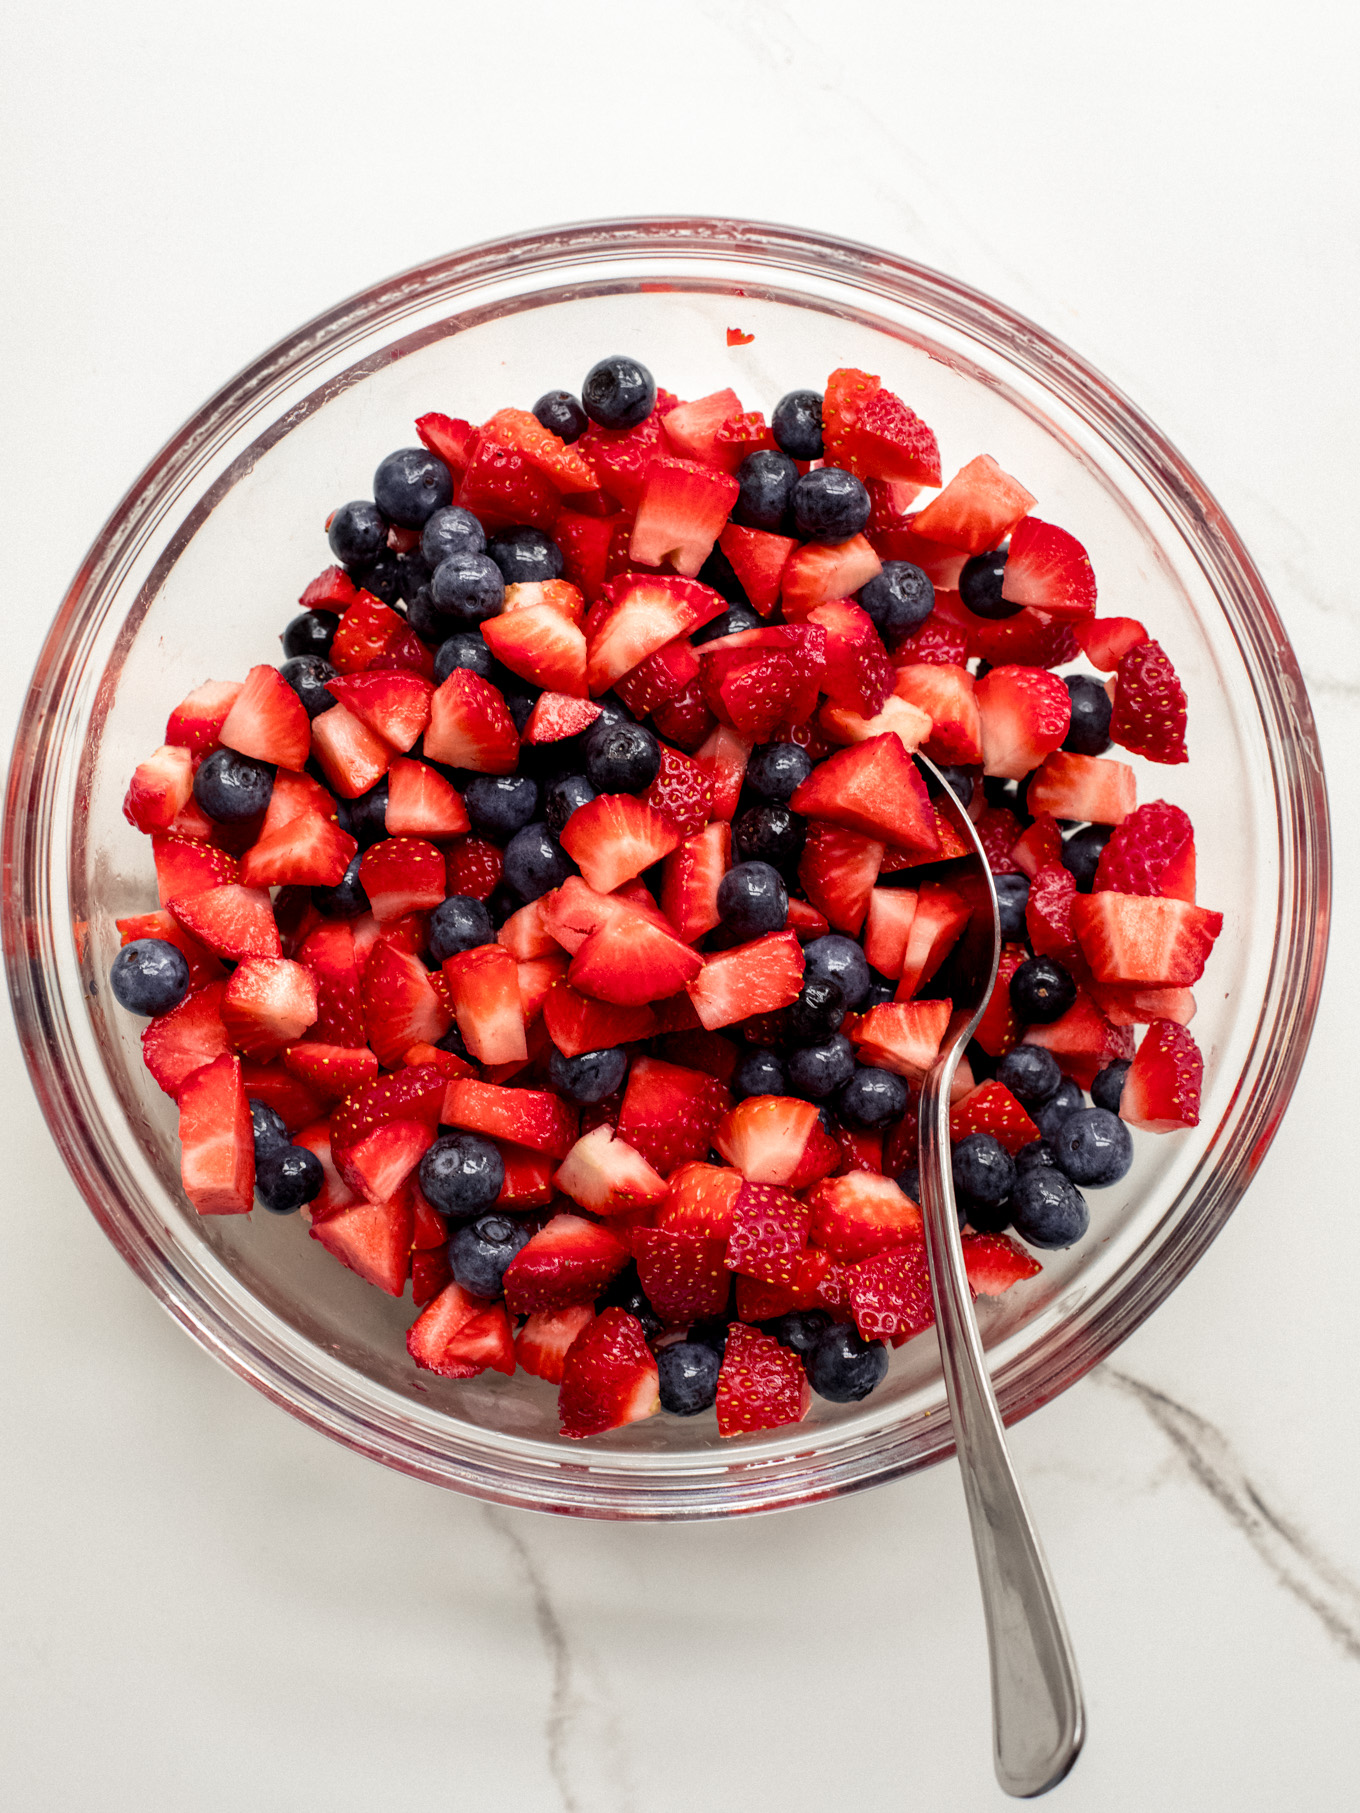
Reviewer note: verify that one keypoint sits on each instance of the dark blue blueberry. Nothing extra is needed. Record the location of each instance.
(984, 1171)
(413, 576)
(459, 923)
(752, 900)
(980, 585)
(619, 392)
(462, 1174)
(621, 758)
(520, 705)
(767, 481)
(481, 1250)
(839, 959)
(428, 623)
(740, 617)
(535, 863)
(625, 1292)
(382, 577)
(770, 833)
(717, 574)
(687, 1377)
(1108, 1087)
(365, 818)
(149, 976)
(843, 1367)
(464, 648)
(1094, 1147)
(501, 804)
(959, 781)
(1049, 1119)
(1089, 731)
(800, 1329)
(909, 1182)
(797, 424)
(818, 1071)
(525, 556)
(1012, 897)
(450, 531)
(879, 992)
(1031, 1074)
(1047, 1209)
(872, 1098)
(286, 1177)
(817, 1013)
(563, 795)
(613, 711)
(453, 1042)
(267, 1128)
(561, 414)
(777, 770)
(1081, 854)
(358, 533)
(1037, 1153)
(759, 1072)
(1041, 991)
(712, 1333)
(829, 505)
(347, 899)
(231, 787)
(899, 599)
(307, 675)
(410, 485)
(590, 1076)
(310, 633)
(502, 903)
(468, 588)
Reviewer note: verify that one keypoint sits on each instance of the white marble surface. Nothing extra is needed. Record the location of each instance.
(209, 1607)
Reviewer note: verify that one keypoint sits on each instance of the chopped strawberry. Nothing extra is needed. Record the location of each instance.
(335, 1192)
(270, 1002)
(761, 1385)
(890, 441)
(631, 968)
(1038, 847)
(295, 796)
(859, 675)
(622, 457)
(776, 1139)
(888, 929)
(1106, 640)
(159, 789)
(669, 1112)
(203, 966)
(196, 722)
(431, 1273)
(470, 726)
(1152, 851)
(406, 653)
(693, 429)
(217, 1147)
(295, 1102)
(540, 646)
(680, 514)
(951, 845)
(1129, 1004)
(758, 559)
(449, 438)
(947, 696)
(724, 757)
(185, 868)
(1028, 639)
(528, 1181)
(331, 590)
(847, 392)
(1049, 570)
(380, 1132)
(1025, 715)
(421, 803)
(366, 631)
(861, 1150)
(577, 1024)
(942, 565)
(838, 870)
(635, 616)
(556, 716)
(890, 504)
(1149, 705)
(542, 1344)
(574, 911)
(352, 757)
(941, 917)
(568, 1261)
(306, 851)
(400, 1004)
(938, 643)
(459, 1335)
(1144, 938)
(683, 1275)
(994, 1264)
(1162, 1088)
(178, 1043)
(991, 1108)
(1087, 788)
(890, 1294)
(977, 509)
(231, 921)
(907, 722)
(682, 792)
(902, 1036)
(523, 433)
(336, 1070)
(609, 1377)
(817, 571)
(1048, 912)
(392, 703)
(373, 1239)
(402, 875)
(606, 1175)
(769, 1231)
(805, 920)
(529, 1117)
(328, 952)
(700, 1201)
(584, 541)
(859, 1214)
(473, 867)
(998, 1030)
(873, 788)
(615, 837)
(502, 488)
(1083, 1040)
(662, 677)
(754, 978)
(742, 434)
(484, 987)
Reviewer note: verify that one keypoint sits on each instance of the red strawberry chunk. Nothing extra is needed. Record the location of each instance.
(1162, 1088)
(860, 1214)
(693, 429)
(366, 630)
(1025, 715)
(805, 920)
(977, 509)
(991, 1108)
(528, 1180)
(1128, 1004)
(858, 673)
(473, 867)
(328, 952)
(217, 1147)
(1028, 639)
(335, 1192)
(231, 921)
(448, 437)
(890, 441)
(609, 1377)
(331, 590)
(176, 1044)
(484, 987)
(400, 1004)
(502, 488)
(683, 1275)
(761, 1385)
(861, 1150)
(890, 1294)
(941, 916)
(692, 876)
(1049, 570)
(669, 1112)
(661, 677)
(372, 1239)
(548, 452)
(421, 803)
(938, 642)
(681, 512)
(269, 1003)
(557, 715)
(185, 868)
(994, 1264)
(1086, 788)
(576, 1024)
(159, 789)
(1144, 938)
(701, 1201)
(568, 1261)
(724, 757)
(335, 1070)
(1106, 640)
(1152, 851)
(942, 565)
(306, 851)
(754, 978)
(459, 1335)
(636, 616)
(402, 875)
(838, 870)
(1083, 1040)
(470, 726)
(606, 1175)
(615, 837)
(681, 792)
(769, 1139)
(528, 1117)
(1149, 705)
(873, 788)
(758, 559)
(998, 1029)
(1048, 912)
(196, 722)
(902, 1036)
(353, 758)
(203, 966)
(632, 963)
(816, 571)
(947, 696)
(393, 703)
(622, 457)
(430, 1274)
(542, 1344)
(1038, 847)
(888, 930)
(540, 646)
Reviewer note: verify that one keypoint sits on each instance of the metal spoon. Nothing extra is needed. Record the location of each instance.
(1038, 1721)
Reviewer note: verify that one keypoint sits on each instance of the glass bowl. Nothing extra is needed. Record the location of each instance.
(194, 576)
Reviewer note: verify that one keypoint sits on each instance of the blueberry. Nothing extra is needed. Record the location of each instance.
(817, 1013)
(563, 795)
(1047, 1209)
(777, 770)
(625, 1292)
(520, 705)
(1012, 897)
(525, 556)
(481, 1250)
(450, 531)
(872, 1098)
(899, 599)
(1031, 1074)
(984, 1171)
(590, 1076)
(267, 1128)
(1049, 1119)
(717, 574)
(149, 976)
(767, 481)
(687, 1376)
(1108, 1087)
(1081, 854)
(752, 900)
(800, 1329)
(1094, 1147)
(464, 648)
(840, 959)
(501, 804)
(843, 1367)
(365, 818)
(382, 577)
(307, 675)
(535, 863)
(621, 758)
(1041, 991)
(818, 1071)
(1038, 1154)
(468, 587)
(980, 585)
(797, 424)
(759, 1072)
(619, 392)
(462, 1174)
(959, 781)
(712, 1333)
(357, 533)
(410, 485)
(1089, 732)
(879, 992)
(347, 899)
(740, 617)
(829, 505)
(561, 414)
(310, 633)
(286, 1177)
(770, 834)
(231, 787)
(452, 1041)
(909, 1182)
(459, 923)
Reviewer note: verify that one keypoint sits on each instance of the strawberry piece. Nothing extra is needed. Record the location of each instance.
(873, 788)
(523, 433)
(1083, 1041)
(758, 559)
(296, 1102)
(373, 1239)
(680, 514)
(444, 1061)
(381, 1132)
(540, 646)
(683, 1275)
(568, 1261)
(431, 1273)
(977, 509)
(560, 594)
(603, 1173)
(776, 1139)
(622, 457)
(584, 541)
(635, 616)
(682, 792)
(231, 921)
(861, 1150)
(1144, 938)
(1128, 1004)
(847, 393)
(907, 722)
(661, 677)
(859, 1214)
(693, 429)
(890, 441)
(991, 1108)
(328, 952)
(334, 1070)
(761, 1385)
(449, 438)
(528, 1117)
(1087, 788)
(1106, 640)
(473, 867)
(536, 979)
(938, 642)
(1037, 847)
(701, 1201)
(421, 803)
(838, 870)
(1162, 1088)
(858, 674)
(1149, 705)
(1025, 715)
(217, 1146)
(392, 703)
(501, 488)
(542, 1344)
(268, 721)
(352, 757)
(335, 1192)
(576, 1024)
(470, 726)
(942, 565)
(744, 433)
(574, 911)
(696, 1049)
(947, 696)
(203, 966)
(484, 988)
(616, 836)
(890, 1294)
(459, 1335)
(196, 722)
(295, 796)
(366, 630)
(160, 788)
(1048, 912)
(951, 845)
(998, 1030)
(805, 920)
(176, 1044)
(669, 1112)
(724, 757)
(1151, 852)
(994, 1264)
(754, 978)
(888, 929)
(609, 1377)
(902, 1036)
(1028, 639)
(890, 501)
(185, 868)
(938, 923)
(402, 875)
(528, 1182)
(406, 653)
(400, 1004)
(769, 1231)
(270, 1002)
(525, 935)
(331, 590)
(1049, 570)
(307, 851)
(556, 716)
(816, 572)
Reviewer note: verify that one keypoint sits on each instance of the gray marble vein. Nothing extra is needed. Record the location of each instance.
(1287, 1551)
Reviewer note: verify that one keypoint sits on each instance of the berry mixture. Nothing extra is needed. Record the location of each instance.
(565, 928)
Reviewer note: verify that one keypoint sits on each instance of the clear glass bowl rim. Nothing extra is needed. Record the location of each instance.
(838, 1462)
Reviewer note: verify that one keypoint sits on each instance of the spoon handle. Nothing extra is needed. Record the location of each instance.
(1037, 1715)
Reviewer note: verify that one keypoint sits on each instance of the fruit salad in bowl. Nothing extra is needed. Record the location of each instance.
(506, 913)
